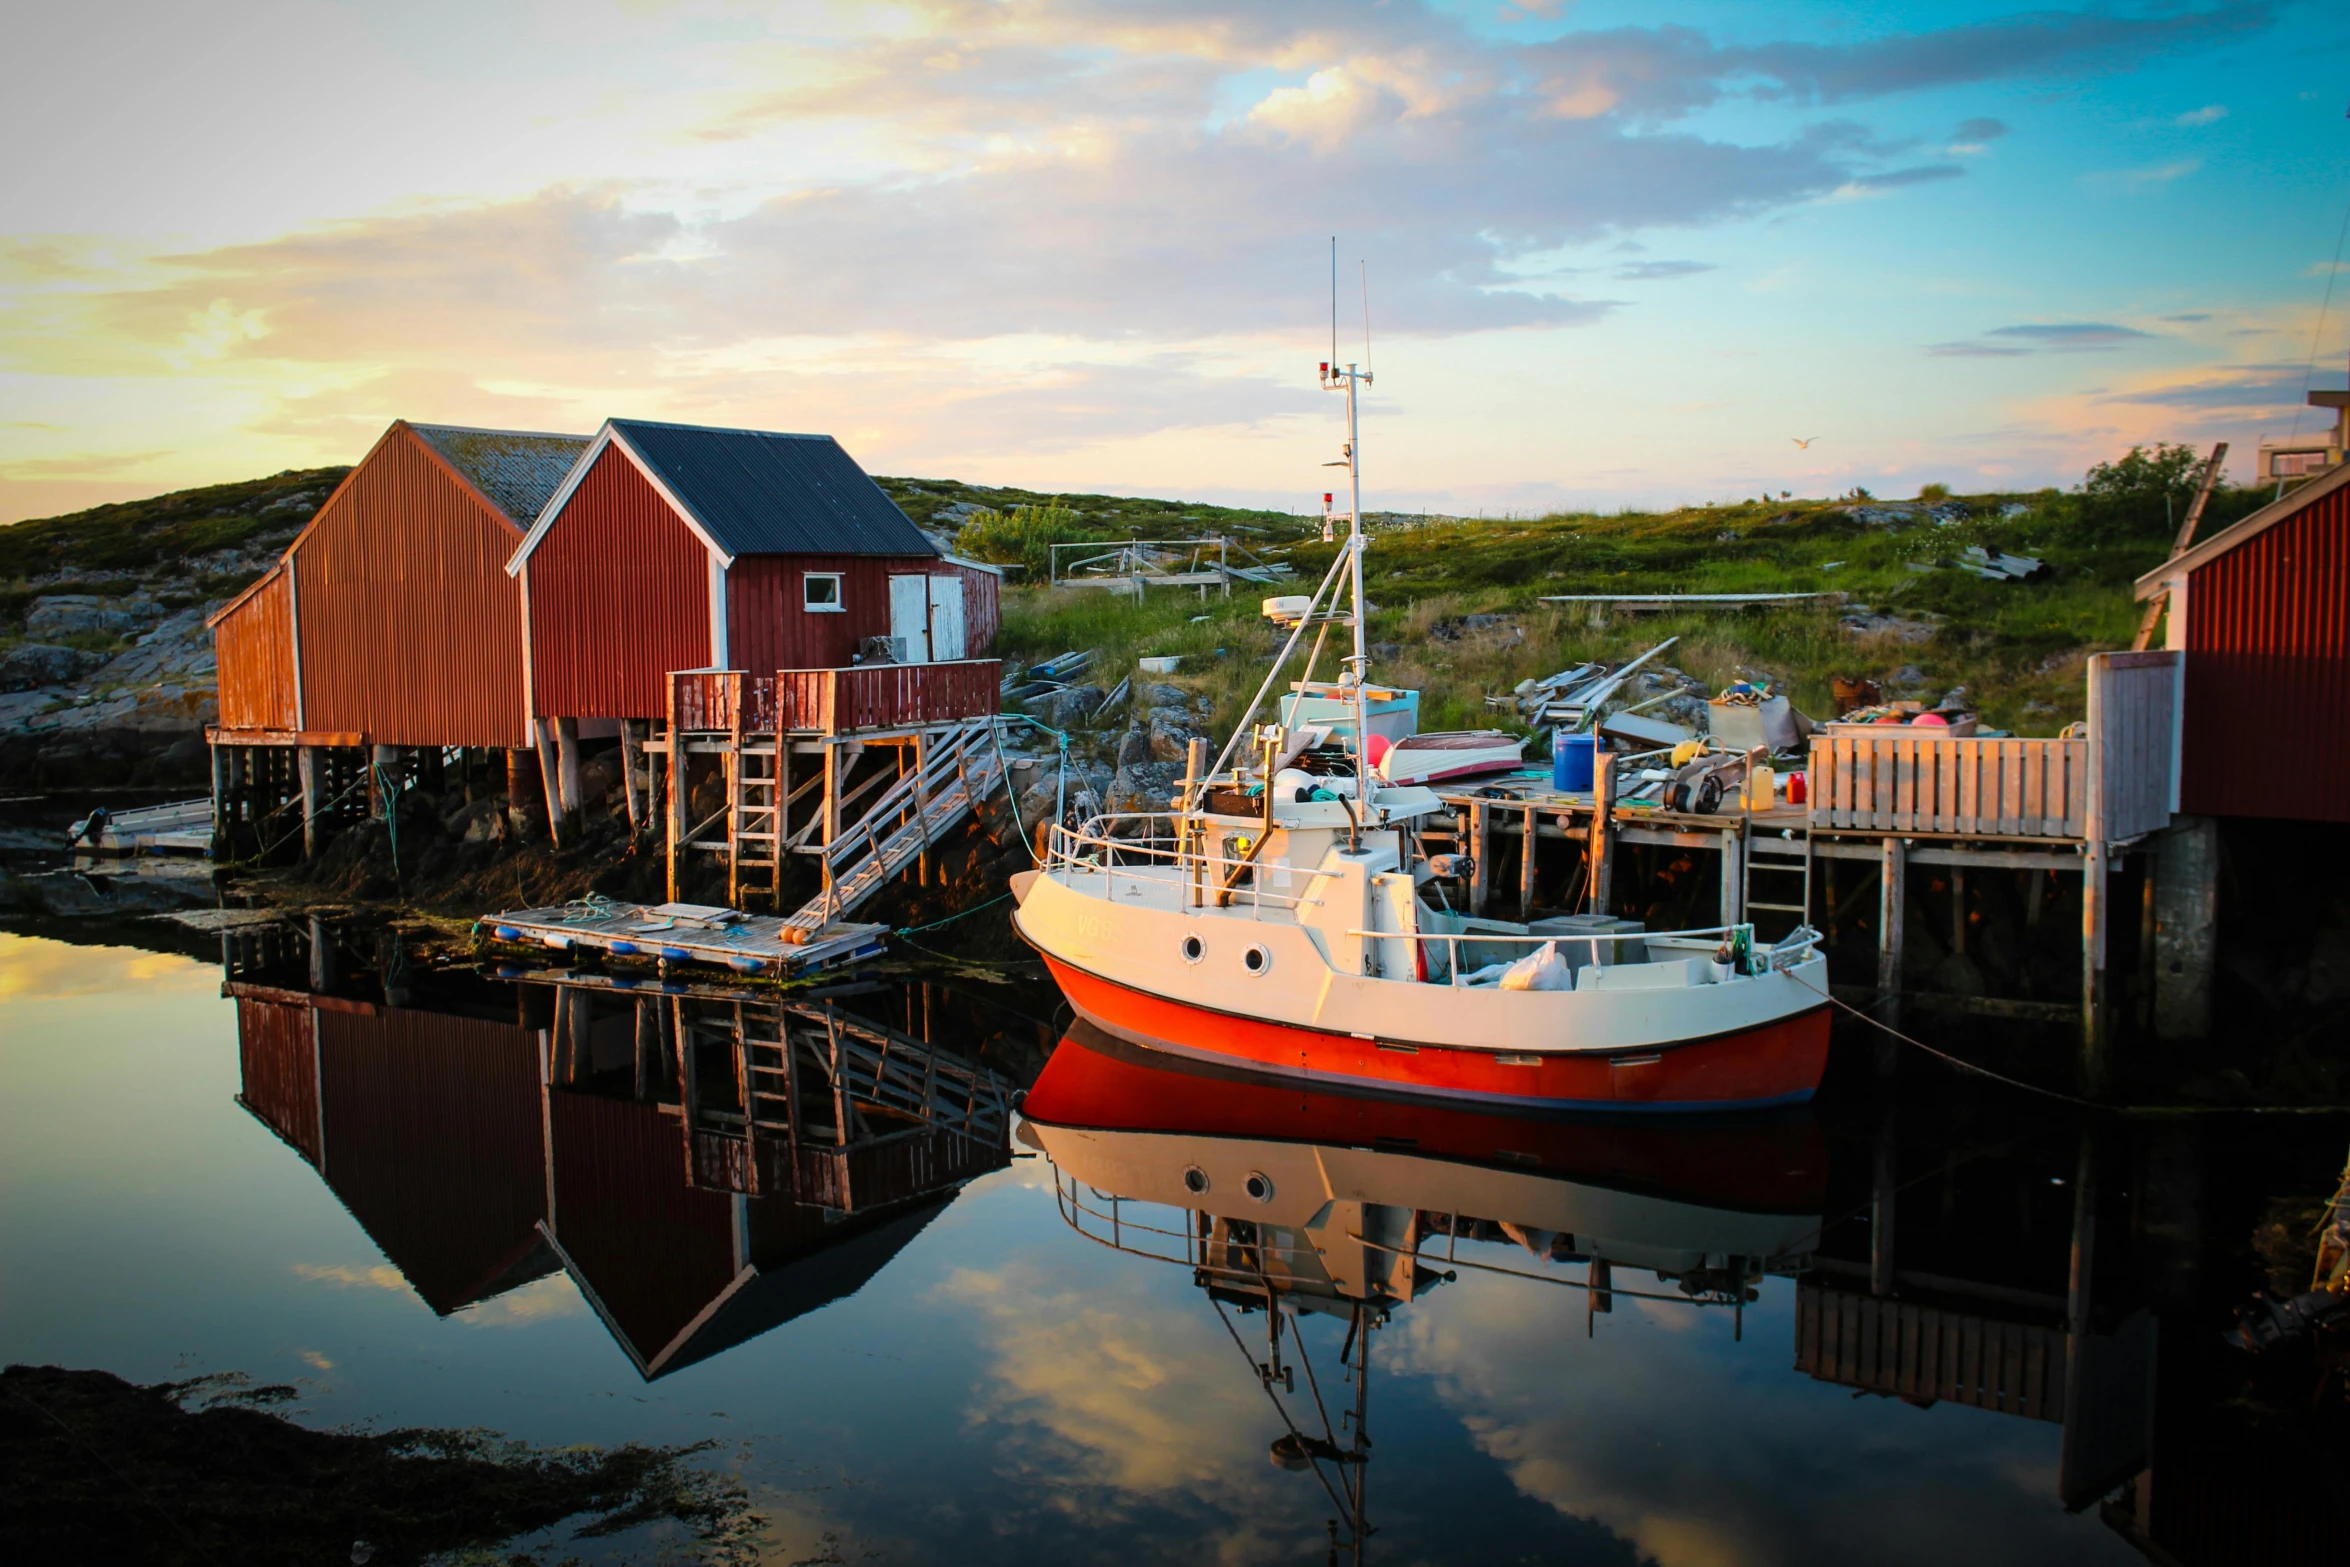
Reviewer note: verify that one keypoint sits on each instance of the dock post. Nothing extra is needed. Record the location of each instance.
(567, 765)
(831, 806)
(630, 755)
(1892, 915)
(1481, 850)
(307, 761)
(2096, 914)
(1732, 903)
(1600, 844)
(322, 956)
(1526, 867)
(673, 799)
(220, 795)
(1884, 1193)
(545, 741)
(2186, 926)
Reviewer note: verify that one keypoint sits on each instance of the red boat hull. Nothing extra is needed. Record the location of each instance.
(1772, 1163)
(1775, 1064)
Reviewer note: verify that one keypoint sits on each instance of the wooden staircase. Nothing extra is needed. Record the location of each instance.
(955, 769)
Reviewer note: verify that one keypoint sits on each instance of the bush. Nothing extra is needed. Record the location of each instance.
(2147, 492)
(1022, 537)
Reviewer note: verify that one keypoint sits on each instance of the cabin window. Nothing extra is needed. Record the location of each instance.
(820, 593)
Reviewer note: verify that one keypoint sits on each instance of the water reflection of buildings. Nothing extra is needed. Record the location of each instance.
(1288, 1201)
(2033, 1266)
(705, 1166)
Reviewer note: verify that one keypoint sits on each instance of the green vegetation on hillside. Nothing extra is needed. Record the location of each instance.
(2016, 646)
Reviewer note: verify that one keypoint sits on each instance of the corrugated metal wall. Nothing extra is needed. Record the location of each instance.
(769, 627)
(619, 597)
(276, 1052)
(2268, 673)
(411, 629)
(254, 646)
(655, 1251)
(434, 1143)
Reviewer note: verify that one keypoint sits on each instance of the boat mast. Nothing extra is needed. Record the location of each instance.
(1353, 377)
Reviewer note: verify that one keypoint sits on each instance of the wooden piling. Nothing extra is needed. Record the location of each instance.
(308, 764)
(631, 754)
(567, 765)
(542, 735)
(1526, 866)
(1732, 902)
(1481, 856)
(1892, 915)
(1601, 844)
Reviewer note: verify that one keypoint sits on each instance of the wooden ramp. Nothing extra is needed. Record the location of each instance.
(958, 767)
(687, 933)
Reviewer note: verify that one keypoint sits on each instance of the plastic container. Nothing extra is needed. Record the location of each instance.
(1572, 758)
(1798, 789)
(1762, 787)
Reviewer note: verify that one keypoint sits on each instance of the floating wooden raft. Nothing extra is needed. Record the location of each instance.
(687, 933)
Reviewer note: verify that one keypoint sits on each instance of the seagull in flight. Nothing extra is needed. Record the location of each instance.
(1803, 441)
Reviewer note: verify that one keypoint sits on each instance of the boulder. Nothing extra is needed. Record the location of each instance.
(1153, 693)
(1144, 786)
(32, 665)
(88, 614)
(1071, 706)
(1134, 748)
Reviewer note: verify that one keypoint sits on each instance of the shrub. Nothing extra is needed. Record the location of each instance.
(1023, 537)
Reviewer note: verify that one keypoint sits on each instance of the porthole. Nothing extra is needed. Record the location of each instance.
(1195, 1180)
(1194, 949)
(1256, 960)
(1259, 1186)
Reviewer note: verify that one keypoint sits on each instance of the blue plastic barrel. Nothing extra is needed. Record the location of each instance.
(1571, 762)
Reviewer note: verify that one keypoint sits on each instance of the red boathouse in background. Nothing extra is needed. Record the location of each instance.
(675, 547)
(2262, 612)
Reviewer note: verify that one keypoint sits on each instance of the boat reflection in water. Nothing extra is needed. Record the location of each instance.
(704, 1165)
(1285, 1200)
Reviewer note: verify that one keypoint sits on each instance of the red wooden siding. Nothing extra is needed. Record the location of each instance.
(275, 1049)
(253, 642)
(411, 629)
(619, 597)
(983, 614)
(768, 625)
(2268, 673)
(434, 1144)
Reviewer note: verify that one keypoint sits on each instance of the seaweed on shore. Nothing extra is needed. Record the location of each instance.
(94, 1468)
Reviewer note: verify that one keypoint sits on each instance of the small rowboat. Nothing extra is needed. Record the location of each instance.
(1450, 753)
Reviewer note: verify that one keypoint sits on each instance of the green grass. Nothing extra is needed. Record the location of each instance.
(2018, 647)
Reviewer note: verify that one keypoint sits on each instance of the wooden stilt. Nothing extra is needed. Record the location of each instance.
(567, 765)
(1892, 915)
(543, 733)
(1884, 1189)
(308, 763)
(1601, 844)
(2096, 912)
(1481, 850)
(674, 795)
(1732, 901)
(631, 757)
(1526, 866)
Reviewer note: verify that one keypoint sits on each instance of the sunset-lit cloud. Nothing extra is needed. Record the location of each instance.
(877, 222)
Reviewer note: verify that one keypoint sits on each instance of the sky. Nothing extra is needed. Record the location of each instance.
(1613, 253)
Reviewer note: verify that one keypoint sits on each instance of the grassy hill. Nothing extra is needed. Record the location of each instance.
(2016, 646)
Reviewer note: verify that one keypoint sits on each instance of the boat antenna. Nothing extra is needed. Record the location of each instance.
(1334, 299)
(1351, 379)
(1366, 266)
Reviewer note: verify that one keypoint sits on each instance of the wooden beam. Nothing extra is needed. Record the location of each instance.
(1892, 915)
(1602, 838)
(545, 739)
(1526, 862)
(630, 754)
(307, 761)
(1732, 902)
(1481, 841)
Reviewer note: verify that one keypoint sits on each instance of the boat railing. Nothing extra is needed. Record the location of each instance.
(1789, 951)
(1095, 848)
(1113, 1221)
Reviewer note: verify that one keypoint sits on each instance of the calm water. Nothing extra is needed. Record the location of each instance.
(484, 1207)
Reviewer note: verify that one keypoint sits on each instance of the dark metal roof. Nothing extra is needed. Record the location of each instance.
(516, 469)
(758, 493)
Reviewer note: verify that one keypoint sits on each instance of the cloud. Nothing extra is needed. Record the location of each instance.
(1974, 351)
(32, 969)
(2187, 318)
(2325, 269)
(1659, 271)
(2209, 114)
(2070, 334)
(1979, 130)
(2146, 178)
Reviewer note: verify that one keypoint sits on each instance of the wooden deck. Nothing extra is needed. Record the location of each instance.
(687, 933)
(2074, 804)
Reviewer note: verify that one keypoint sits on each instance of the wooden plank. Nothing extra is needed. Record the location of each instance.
(2011, 786)
(1480, 834)
(1953, 754)
(1526, 859)
(1892, 914)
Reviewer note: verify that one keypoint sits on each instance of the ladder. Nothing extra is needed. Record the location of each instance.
(754, 820)
(1787, 864)
(959, 767)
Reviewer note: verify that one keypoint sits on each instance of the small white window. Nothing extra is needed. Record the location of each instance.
(820, 593)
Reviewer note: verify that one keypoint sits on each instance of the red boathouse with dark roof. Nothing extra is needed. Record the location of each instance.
(676, 547)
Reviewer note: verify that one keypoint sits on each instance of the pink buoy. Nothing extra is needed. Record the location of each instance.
(1375, 749)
